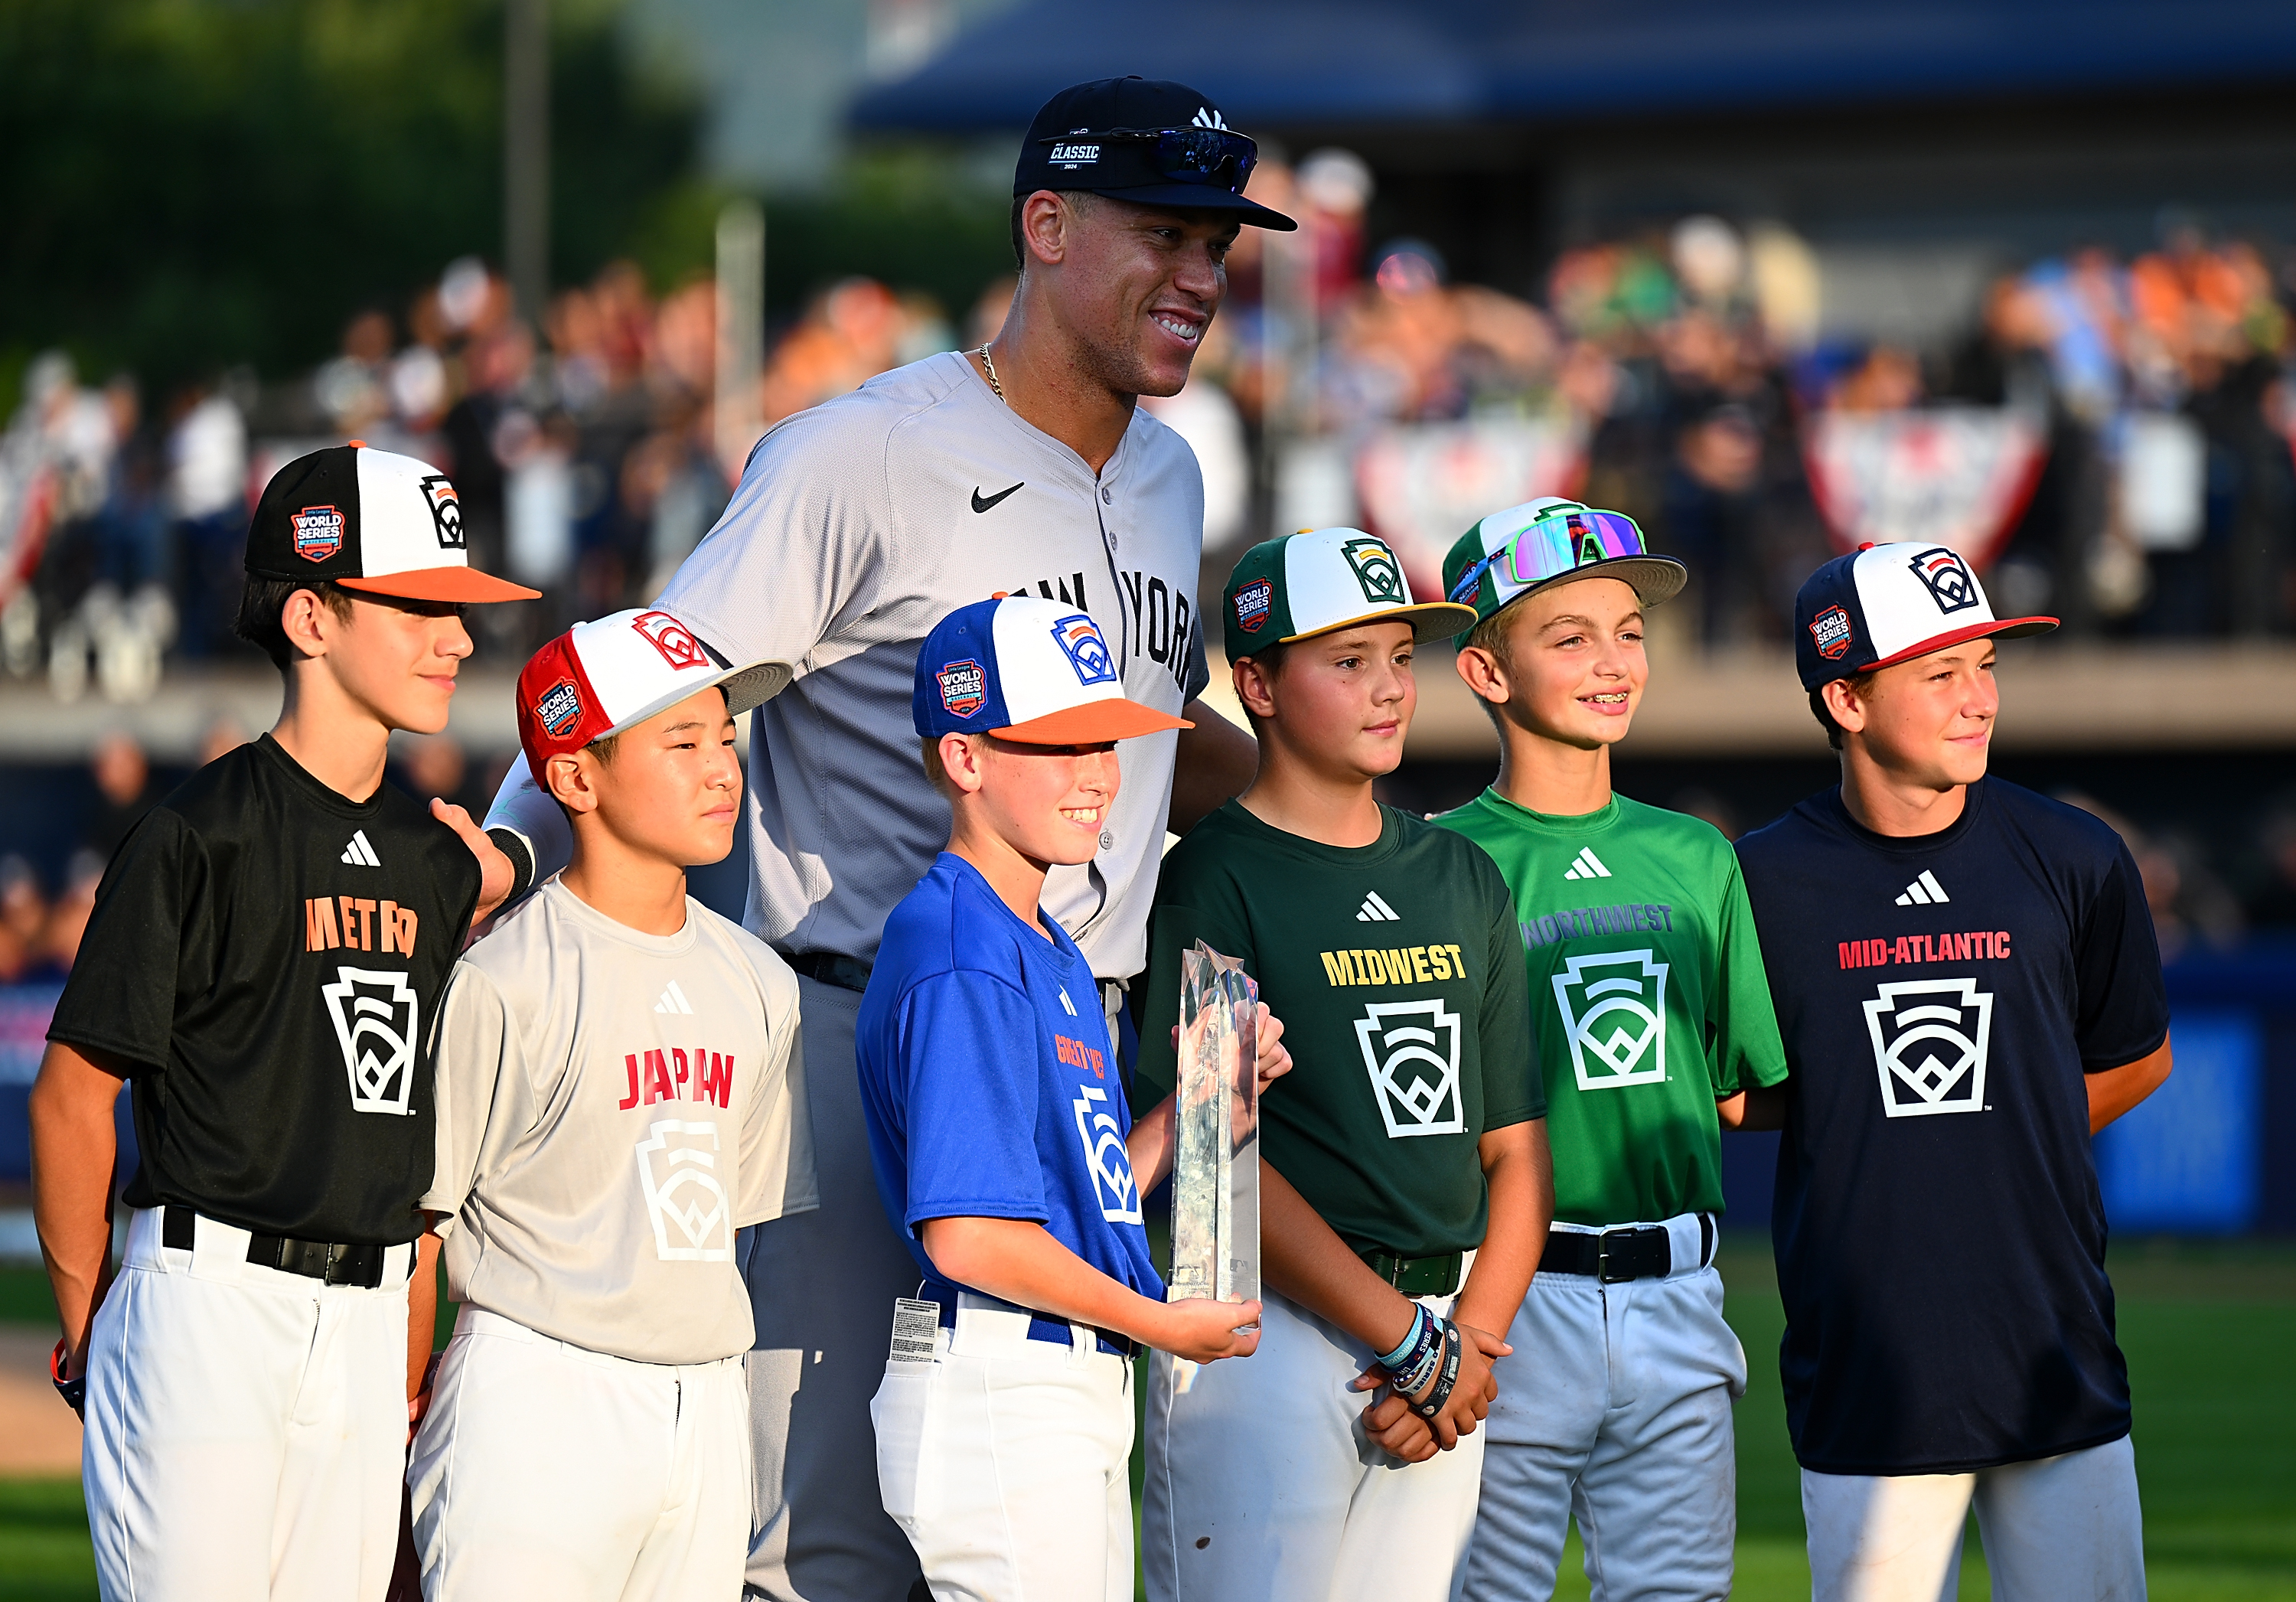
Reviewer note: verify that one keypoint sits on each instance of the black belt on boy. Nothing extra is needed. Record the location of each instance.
(329, 1262)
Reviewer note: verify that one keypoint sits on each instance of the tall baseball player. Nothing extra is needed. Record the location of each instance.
(616, 1095)
(1647, 987)
(858, 525)
(262, 964)
(1970, 990)
(1406, 1190)
(1003, 1145)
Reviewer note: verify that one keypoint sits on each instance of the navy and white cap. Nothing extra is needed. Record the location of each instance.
(1883, 604)
(1025, 669)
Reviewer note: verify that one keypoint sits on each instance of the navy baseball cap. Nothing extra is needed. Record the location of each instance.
(1034, 671)
(1882, 605)
(1144, 140)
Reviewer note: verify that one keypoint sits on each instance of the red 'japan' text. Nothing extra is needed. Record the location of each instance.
(675, 1075)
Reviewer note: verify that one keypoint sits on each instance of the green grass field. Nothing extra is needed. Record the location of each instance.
(2210, 1332)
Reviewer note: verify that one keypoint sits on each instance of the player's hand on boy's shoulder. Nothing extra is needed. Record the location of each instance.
(1203, 1331)
(497, 873)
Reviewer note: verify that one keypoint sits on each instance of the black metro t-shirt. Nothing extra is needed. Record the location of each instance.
(1941, 1237)
(268, 955)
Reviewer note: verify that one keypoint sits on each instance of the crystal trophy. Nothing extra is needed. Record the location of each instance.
(1215, 1151)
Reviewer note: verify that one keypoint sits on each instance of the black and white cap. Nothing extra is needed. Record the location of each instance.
(369, 519)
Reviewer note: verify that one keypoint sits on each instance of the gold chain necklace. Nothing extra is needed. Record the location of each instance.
(990, 362)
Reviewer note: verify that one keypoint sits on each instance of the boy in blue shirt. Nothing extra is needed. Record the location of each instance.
(1003, 1145)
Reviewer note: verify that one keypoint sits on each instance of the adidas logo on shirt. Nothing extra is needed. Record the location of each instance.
(358, 853)
(1586, 865)
(1924, 892)
(673, 1000)
(1376, 911)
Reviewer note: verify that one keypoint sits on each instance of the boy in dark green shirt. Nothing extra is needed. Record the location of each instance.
(1404, 1187)
(1654, 1018)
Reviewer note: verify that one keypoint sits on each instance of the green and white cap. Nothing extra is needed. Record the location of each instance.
(1549, 541)
(1320, 580)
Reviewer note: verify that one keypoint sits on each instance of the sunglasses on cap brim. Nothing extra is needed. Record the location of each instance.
(1214, 158)
(1553, 544)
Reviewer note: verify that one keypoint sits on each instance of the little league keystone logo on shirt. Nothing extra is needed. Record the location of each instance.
(376, 1024)
(672, 639)
(1411, 1049)
(1930, 1038)
(1946, 576)
(559, 708)
(1613, 1010)
(446, 510)
(678, 1164)
(1113, 1184)
(1831, 631)
(1078, 638)
(318, 532)
(963, 688)
(1377, 571)
(1252, 603)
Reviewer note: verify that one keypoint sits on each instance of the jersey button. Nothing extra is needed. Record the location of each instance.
(1107, 841)
(1107, 496)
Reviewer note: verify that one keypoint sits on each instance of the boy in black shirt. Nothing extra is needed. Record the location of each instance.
(1968, 986)
(262, 963)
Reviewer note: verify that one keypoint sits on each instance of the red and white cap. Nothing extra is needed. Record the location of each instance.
(600, 678)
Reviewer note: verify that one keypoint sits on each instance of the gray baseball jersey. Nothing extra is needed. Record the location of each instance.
(860, 524)
(613, 1105)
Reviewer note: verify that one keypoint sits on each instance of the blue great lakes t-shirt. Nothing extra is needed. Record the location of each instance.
(1940, 1233)
(988, 1081)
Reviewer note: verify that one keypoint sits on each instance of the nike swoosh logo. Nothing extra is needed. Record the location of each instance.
(980, 504)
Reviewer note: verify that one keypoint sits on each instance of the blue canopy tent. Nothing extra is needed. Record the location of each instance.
(1274, 63)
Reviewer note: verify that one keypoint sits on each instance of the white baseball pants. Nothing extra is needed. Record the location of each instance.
(2057, 1527)
(1262, 1486)
(820, 1287)
(546, 1470)
(1614, 1410)
(1007, 1462)
(246, 1427)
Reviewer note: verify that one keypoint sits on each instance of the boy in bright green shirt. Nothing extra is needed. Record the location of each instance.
(1653, 1018)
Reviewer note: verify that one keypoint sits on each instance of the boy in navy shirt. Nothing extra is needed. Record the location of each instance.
(1003, 1145)
(1967, 982)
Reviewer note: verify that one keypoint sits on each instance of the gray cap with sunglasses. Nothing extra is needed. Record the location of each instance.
(1143, 140)
(1549, 541)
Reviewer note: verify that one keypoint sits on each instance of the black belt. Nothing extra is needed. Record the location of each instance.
(830, 967)
(1641, 1252)
(1436, 1275)
(330, 1263)
(1054, 1331)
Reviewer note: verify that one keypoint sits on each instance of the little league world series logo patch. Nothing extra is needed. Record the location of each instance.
(686, 1202)
(446, 510)
(672, 639)
(1946, 576)
(376, 1024)
(1613, 1009)
(1831, 630)
(1253, 603)
(1411, 1049)
(1376, 570)
(1113, 1184)
(1078, 638)
(963, 688)
(1931, 1037)
(559, 709)
(318, 532)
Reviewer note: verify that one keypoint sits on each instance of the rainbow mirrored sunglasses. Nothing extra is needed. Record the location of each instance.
(1553, 543)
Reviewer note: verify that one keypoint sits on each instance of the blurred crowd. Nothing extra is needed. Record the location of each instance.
(1681, 374)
